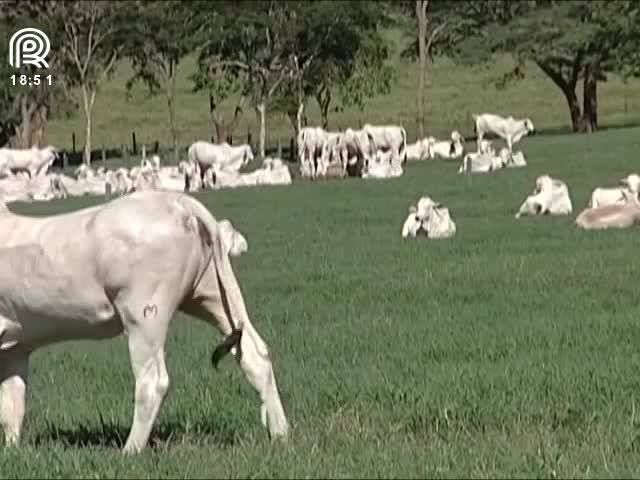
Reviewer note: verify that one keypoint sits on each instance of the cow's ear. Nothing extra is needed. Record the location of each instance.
(412, 209)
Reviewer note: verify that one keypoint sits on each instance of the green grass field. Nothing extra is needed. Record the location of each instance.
(454, 94)
(510, 350)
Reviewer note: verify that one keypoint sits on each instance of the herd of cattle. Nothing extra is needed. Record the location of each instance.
(133, 261)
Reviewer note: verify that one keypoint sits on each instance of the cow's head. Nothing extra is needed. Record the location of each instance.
(528, 125)
(232, 241)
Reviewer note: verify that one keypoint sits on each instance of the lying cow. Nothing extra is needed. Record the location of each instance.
(509, 129)
(430, 219)
(420, 150)
(129, 266)
(447, 149)
(476, 162)
(611, 196)
(619, 215)
(551, 196)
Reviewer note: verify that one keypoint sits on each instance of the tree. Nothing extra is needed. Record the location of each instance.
(25, 110)
(254, 41)
(337, 44)
(569, 41)
(156, 45)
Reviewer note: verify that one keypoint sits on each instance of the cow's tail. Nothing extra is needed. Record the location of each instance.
(229, 287)
(403, 146)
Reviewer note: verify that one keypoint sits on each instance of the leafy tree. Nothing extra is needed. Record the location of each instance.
(25, 110)
(156, 44)
(90, 46)
(254, 41)
(568, 40)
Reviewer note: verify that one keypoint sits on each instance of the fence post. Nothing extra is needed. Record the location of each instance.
(133, 141)
(125, 155)
(279, 147)
(73, 142)
(144, 151)
(104, 158)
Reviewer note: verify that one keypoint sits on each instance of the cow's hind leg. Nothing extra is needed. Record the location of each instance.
(146, 326)
(13, 389)
(253, 358)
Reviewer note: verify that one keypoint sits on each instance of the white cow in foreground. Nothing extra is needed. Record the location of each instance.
(611, 196)
(33, 160)
(551, 196)
(220, 155)
(511, 130)
(618, 215)
(125, 266)
(430, 219)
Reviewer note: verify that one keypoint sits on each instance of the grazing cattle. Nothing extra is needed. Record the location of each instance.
(333, 152)
(359, 148)
(551, 196)
(509, 129)
(447, 149)
(130, 264)
(222, 156)
(273, 172)
(389, 137)
(513, 160)
(430, 219)
(619, 215)
(476, 162)
(33, 160)
(420, 150)
(486, 147)
(611, 196)
(310, 145)
(382, 167)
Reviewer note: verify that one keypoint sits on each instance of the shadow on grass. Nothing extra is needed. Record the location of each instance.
(111, 435)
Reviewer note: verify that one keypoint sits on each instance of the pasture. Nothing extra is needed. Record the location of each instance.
(510, 350)
(454, 92)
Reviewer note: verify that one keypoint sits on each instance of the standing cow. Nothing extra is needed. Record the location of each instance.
(509, 129)
(390, 137)
(129, 266)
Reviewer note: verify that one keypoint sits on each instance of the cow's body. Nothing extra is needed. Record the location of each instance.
(219, 155)
(550, 197)
(33, 160)
(511, 130)
(129, 265)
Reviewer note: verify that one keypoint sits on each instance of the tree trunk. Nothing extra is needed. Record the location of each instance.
(26, 113)
(40, 117)
(172, 126)
(421, 15)
(568, 87)
(299, 115)
(88, 100)
(323, 97)
(262, 110)
(589, 121)
(574, 110)
(222, 132)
